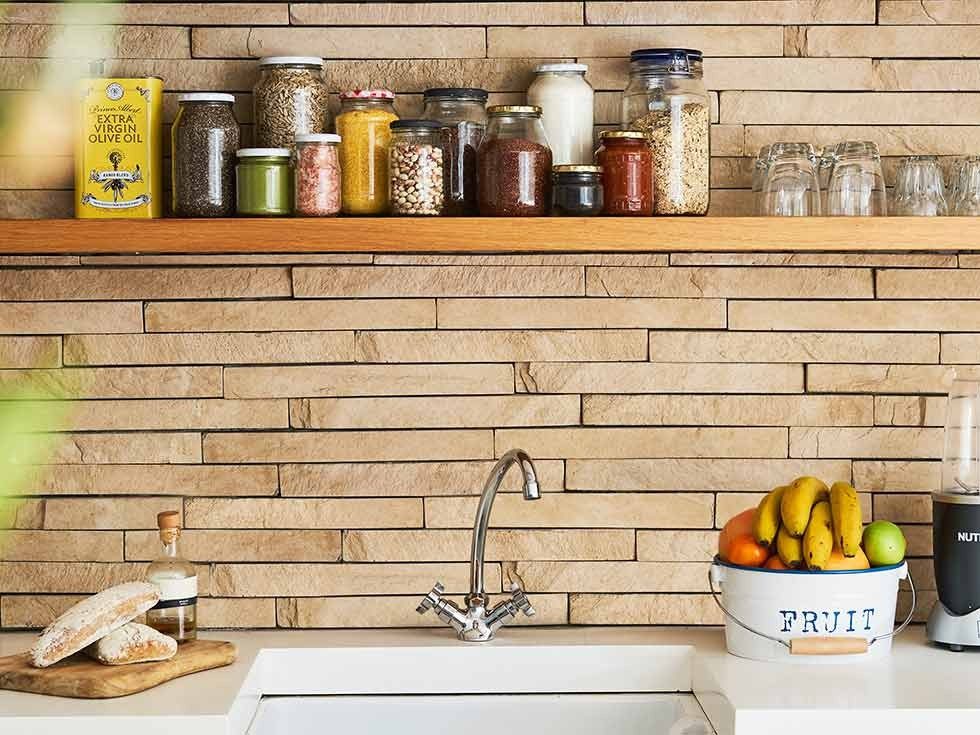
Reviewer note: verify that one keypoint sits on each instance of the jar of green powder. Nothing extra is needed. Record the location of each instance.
(264, 182)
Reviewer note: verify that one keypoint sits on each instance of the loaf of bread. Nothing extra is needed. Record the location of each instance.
(91, 619)
(134, 643)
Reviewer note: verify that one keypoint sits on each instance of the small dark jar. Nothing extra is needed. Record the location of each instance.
(577, 191)
(627, 173)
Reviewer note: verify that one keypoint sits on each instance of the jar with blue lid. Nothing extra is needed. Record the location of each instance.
(666, 99)
(264, 182)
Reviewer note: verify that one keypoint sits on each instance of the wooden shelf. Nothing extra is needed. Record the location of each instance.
(485, 235)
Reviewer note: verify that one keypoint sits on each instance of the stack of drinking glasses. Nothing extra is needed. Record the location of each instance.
(788, 180)
(792, 180)
(919, 189)
(964, 195)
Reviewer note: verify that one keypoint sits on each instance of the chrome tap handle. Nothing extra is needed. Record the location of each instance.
(520, 600)
(433, 598)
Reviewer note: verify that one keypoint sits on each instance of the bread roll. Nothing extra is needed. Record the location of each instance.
(92, 619)
(133, 643)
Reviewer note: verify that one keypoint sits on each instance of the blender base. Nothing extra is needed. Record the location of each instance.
(954, 631)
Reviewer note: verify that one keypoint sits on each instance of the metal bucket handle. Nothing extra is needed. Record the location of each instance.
(817, 645)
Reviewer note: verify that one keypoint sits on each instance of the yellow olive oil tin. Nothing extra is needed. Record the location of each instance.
(118, 160)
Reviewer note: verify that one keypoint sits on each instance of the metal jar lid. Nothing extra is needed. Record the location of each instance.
(415, 125)
(457, 93)
(498, 110)
(206, 97)
(631, 134)
(263, 153)
(317, 138)
(570, 168)
(547, 68)
(291, 61)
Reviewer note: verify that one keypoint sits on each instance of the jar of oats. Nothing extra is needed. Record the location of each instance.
(363, 126)
(290, 99)
(666, 99)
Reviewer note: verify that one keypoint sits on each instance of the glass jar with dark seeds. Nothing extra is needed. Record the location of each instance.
(204, 137)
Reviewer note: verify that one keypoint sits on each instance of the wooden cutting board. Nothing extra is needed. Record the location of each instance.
(81, 677)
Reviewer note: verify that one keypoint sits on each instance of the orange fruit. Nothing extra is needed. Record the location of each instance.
(745, 551)
(839, 562)
(738, 525)
(775, 563)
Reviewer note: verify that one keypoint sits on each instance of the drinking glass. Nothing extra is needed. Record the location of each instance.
(967, 202)
(961, 450)
(791, 187)
(856, 186)
(919, 190)
(759, 171)
(953, 190)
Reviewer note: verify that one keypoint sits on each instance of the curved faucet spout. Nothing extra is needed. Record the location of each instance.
(531, 492)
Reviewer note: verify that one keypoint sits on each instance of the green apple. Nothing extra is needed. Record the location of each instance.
(884, 543)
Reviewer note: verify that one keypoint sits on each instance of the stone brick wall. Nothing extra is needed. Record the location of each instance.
(893, 71)
(324, 422)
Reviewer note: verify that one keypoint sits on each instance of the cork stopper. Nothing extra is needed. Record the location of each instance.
(168, 519)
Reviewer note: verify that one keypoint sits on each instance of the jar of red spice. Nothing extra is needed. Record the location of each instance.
(514, 164)
(627, 173)
(316, 168)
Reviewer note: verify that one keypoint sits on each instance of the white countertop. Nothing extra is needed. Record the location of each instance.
(918, 686)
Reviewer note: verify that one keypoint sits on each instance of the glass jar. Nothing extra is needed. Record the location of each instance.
(204, 138)
(566, 100)
(514, 164)
(364, 128)
(290, 99)
(463, 115)
(415, 161)
(577, 191)
(627, 173)
(316, 175)
(666, 99)
(264, 182)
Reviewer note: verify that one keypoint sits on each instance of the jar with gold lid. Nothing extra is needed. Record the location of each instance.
(577, 191)
(627, 173)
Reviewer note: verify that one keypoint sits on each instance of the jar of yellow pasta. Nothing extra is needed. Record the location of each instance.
(362, 124)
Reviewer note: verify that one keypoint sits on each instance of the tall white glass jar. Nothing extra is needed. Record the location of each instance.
(566, 100)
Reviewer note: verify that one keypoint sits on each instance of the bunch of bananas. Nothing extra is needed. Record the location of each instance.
(805, 521)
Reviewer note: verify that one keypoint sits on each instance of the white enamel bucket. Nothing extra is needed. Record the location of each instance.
(809, 617)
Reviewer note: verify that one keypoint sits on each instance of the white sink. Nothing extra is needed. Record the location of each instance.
(489, 714)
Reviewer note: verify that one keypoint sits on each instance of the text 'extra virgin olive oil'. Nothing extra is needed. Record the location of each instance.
(118, 159)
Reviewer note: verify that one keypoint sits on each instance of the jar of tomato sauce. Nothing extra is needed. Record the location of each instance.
(627, 173)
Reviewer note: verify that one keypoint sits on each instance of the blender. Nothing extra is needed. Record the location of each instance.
(955, 618)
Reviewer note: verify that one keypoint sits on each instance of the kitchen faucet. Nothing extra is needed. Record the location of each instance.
(477, 622)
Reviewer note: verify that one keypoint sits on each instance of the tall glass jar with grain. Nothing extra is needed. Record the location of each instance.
(666, 99)
(290, 99)
(365, 136)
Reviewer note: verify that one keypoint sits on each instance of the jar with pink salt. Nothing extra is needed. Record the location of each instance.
(316, 169)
